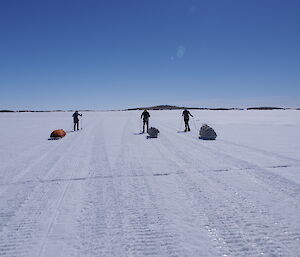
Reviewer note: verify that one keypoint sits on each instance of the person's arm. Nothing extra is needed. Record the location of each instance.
(142, 115)
(191, 114)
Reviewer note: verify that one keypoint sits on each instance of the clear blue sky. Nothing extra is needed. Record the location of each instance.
(109, 54)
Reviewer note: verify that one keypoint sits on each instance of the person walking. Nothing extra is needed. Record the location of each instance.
(145, 116)
(186, 116)
(76, 120)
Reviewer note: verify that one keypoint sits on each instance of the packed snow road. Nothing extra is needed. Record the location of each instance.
(108, 191)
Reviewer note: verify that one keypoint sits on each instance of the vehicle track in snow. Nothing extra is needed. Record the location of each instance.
(282, 184)
(178, 209)
(29, 219)
(272, 182)
(119, 215)
(254, 153)
(21, 174)
(27, 160)
(245, 225)
(99, 222)
(146, 230)
(65, 221)
(15, 199)
(280, 157)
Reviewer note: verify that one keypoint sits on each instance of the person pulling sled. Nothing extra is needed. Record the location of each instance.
(76, 120)
(186, 116)
(145, 116)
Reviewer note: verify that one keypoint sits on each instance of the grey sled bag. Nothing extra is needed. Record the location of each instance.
(153, 132)
(207, 133)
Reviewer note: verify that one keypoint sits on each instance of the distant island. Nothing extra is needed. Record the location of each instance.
(173, 107)
(266, 108)
(161, 107)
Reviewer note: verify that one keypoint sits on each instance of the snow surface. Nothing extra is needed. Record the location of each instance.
(108, 191)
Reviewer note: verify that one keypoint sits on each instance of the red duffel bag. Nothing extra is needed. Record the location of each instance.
(58, 133)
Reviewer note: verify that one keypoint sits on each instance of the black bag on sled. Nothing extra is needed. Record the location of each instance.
(207, 133)
(153, 132)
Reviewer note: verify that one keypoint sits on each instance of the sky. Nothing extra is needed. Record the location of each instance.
(116, 54)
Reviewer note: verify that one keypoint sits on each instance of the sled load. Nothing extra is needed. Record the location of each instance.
(207, 133)
(57, 134)
(153, 132)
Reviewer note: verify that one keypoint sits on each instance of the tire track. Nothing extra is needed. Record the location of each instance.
(146, 229)
(100, 224)
(16, 173)
(254, 152)
(243, 225)
(272, 180)
(15, 199)
(30, 221)
(263, 152)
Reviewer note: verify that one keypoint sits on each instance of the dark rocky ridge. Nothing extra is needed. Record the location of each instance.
(172, 107)
(265, 108)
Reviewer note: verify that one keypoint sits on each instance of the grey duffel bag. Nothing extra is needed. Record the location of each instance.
(153, 132)
(207, 133)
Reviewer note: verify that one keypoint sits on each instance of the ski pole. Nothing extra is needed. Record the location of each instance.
(181, 121)
(194, 124)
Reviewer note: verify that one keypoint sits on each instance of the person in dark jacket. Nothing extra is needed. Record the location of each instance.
(145, 116)
(186, 116)
(76, 120)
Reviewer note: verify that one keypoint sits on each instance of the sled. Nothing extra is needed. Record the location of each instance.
(54, 138)
(207, 133)
(151, 137)
(153, 132)
(57, 134)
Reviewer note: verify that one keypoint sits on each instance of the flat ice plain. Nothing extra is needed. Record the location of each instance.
(108, 191)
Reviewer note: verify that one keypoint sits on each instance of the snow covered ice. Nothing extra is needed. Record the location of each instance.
(108, 191)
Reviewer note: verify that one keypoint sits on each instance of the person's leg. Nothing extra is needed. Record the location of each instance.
(77, 125)
(144, 123)
(74, 126)
(147, 123)
(186, 125)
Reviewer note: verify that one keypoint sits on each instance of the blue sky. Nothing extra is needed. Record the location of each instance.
(94, 54)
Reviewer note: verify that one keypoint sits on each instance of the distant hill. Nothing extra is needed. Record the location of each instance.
(160, 107)
(172, 107)
(225, 109)
(157, 107)
(265, 108)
